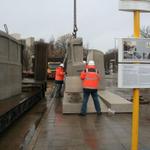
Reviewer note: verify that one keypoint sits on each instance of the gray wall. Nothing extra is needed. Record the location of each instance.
(10, 66)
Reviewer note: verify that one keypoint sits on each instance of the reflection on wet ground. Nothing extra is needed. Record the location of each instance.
(106, 132)
(72, 132)
(18, 135)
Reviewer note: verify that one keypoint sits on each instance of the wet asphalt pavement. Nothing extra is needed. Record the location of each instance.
(51, 130)
(105, 132)
(19, 134)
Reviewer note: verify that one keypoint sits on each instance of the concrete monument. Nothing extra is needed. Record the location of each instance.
(73, 95)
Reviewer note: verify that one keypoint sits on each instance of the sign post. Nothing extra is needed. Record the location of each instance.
(136, 91)
(136, 6)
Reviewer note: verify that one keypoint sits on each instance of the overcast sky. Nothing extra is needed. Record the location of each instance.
(99, 21)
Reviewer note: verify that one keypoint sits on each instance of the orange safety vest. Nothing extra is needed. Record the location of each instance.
(90, 79)
(59, 75)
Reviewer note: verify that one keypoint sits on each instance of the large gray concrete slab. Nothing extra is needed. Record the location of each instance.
(75, 57)
(10, 66)
(72, 103)
(73, 84)
(115, 102)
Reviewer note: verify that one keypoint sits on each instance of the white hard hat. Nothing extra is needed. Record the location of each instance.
(84, 61)
(91, 63)
(61, 65)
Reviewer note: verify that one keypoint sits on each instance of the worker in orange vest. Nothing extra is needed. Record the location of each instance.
(90, 80)
(87, 66)
(59, 78)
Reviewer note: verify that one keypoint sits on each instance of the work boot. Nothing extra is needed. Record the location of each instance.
(82, 114)
(99, 113)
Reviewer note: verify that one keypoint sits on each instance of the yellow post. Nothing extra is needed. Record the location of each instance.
(137, 24)
(135, 115)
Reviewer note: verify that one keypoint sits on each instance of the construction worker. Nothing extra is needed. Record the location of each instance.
(85, 64)
(59, 78)
(90, 81)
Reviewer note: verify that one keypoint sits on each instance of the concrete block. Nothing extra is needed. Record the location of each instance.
(10, 66)
(73, 84)
(98, 57)
(74, 69)
(75, 50)
(115, 102)
(10, 80)
(72, 104)
(3, 48)
(13, 51)
(75, 57)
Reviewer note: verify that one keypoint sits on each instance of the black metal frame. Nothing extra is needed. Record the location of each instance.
(9, 117)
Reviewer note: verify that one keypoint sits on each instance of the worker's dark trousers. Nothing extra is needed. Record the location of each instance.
(58, 93)
(59, 86)
(86, 94)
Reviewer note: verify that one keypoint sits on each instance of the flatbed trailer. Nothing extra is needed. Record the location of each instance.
(14, 107)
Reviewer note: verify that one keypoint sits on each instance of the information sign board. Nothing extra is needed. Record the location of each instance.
(132, 5)
(134, 76)
(134, 50)
(134, 63)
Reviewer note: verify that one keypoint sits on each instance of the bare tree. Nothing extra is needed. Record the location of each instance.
(61, 42)
(51, 48)
(52, 40)
(145, 32)
(52, 44)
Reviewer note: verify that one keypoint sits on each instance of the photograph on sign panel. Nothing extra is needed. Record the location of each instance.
(130, 50)
(136, 50)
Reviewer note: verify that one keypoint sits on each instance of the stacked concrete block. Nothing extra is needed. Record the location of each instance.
(74, 65)
(74, 69)
(10, 66)
(73, 87)
(73, 84)
(75, 57)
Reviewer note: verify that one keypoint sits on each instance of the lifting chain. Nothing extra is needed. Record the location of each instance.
(75, 28)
